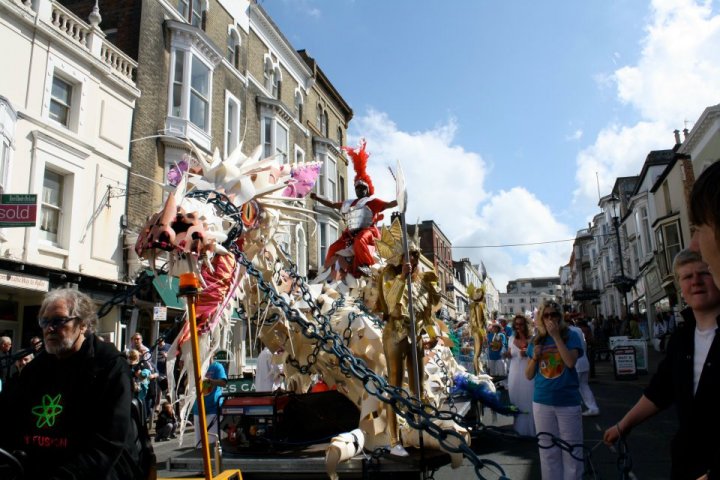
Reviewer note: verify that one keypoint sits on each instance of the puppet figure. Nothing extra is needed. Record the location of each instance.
(477, 323)
(361, 215)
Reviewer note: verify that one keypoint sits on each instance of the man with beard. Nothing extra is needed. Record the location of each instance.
(70, 409)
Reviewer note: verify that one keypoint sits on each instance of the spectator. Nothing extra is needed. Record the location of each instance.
(5, 359)
(496, 342)
(17, 367)
(36, 344)
(582, 366)
(161, 363)
(687, 377)
(660, 332)
(140, 374)
(589, 343)
(268, 376)
(215, 379)
(146, 357)
(520, 389)
(82, 388)
(166, 423)
(705, 216)
(553, 354)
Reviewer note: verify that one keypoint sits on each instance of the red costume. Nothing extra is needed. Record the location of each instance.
(360, 236)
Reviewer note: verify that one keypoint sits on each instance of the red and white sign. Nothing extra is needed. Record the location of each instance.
(18, 210)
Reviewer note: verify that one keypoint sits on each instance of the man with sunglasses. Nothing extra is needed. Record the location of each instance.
(69, 413)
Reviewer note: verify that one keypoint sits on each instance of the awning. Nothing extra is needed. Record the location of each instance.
(167, 288)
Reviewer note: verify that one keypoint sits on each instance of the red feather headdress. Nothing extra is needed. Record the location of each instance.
(359, 158)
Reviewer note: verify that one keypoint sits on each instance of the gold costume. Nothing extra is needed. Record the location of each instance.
(396, 333)
(477, 324)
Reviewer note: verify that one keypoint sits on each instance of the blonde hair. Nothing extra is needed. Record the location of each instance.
(540, 323)
(133, 355)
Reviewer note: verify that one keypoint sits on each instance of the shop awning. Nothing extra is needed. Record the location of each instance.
(167, 289)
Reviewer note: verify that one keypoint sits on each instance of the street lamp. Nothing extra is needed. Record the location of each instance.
(622, 283)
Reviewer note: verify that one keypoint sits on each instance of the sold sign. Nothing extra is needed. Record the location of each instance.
(18, 210)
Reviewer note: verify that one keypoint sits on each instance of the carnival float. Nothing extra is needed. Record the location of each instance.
(365, 326)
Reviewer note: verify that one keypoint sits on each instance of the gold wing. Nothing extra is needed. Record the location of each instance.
(389, 245)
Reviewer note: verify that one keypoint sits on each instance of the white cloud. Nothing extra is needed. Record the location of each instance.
(576, 135)
(446, 184)
(675, 78)
(438, 174)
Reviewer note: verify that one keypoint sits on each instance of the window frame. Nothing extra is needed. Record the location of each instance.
(328, 188)
(186, 89)
(190, 13)
(232, 51)
(56, 208)
(271, 147)
(231, 138)
(325, 240)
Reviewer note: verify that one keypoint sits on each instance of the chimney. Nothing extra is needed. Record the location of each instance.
(686, 132)
(677, 136)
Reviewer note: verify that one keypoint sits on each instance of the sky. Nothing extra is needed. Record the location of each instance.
(509, 117)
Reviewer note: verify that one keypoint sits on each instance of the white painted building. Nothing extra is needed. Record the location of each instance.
(66, 106)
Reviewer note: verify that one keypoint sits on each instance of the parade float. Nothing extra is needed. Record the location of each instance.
(364, 328)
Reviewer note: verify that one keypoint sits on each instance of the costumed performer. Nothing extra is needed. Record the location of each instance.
(361, 215)
(477, 324)
(396, 333)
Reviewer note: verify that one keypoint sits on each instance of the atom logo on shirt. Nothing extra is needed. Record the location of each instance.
(47, 411)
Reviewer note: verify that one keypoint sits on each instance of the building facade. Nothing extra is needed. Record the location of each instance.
(65, 117)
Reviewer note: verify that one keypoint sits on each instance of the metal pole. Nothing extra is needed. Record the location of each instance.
(411, 314)
(190, 295)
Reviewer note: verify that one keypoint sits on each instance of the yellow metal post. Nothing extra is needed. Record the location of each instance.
(189, 288)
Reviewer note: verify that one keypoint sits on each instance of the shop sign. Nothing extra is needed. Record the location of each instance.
(239, 385)
(18, 210)
(14, 279)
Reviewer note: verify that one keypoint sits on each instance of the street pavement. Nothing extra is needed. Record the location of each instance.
(648, 445)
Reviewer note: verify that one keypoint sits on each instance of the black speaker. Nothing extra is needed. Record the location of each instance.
(317, 417)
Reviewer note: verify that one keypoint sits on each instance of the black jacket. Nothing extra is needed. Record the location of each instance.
(72, 417)
(696, 445)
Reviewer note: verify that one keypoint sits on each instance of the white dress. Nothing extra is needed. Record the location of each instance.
(520, 390)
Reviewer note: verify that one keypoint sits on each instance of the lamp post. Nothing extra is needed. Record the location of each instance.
(623, 283)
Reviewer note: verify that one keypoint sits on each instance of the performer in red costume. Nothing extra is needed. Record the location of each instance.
(361, 215)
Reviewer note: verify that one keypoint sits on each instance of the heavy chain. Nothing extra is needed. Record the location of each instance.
(624, 461)
(121, 298)
(447, 381)
(418, 415)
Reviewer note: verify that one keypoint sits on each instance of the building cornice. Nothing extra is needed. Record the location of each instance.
(709, 116)
(264, 27)
(187, 34)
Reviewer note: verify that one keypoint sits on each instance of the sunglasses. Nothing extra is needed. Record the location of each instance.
(54, 322)
(551, 315)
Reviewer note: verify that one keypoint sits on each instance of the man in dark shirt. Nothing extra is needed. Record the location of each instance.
(69, 410)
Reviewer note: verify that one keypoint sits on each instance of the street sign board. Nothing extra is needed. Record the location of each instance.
(624, 363)
(18, 210)
(159, 313)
